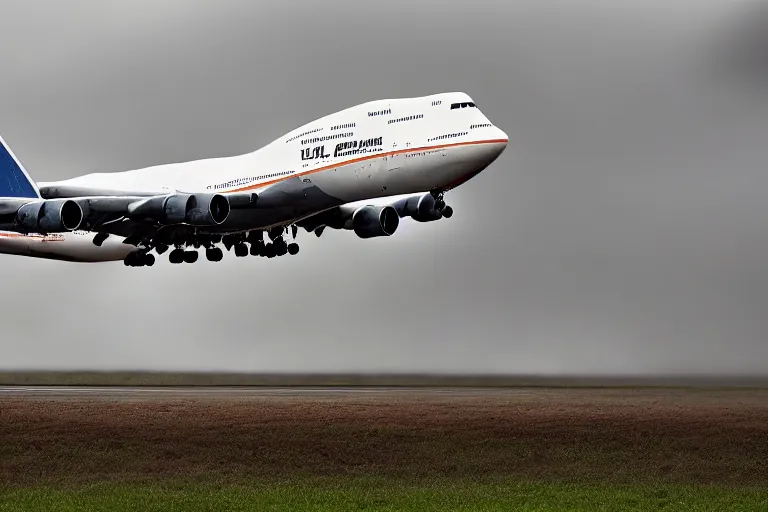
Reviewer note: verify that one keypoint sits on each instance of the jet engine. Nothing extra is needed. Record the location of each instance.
(49, 216)
(424, 208)
(372, 221)
(194, 209)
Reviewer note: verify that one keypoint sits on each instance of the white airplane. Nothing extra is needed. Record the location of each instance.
(362, 169)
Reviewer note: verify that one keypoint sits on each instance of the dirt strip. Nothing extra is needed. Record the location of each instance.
(584, 435)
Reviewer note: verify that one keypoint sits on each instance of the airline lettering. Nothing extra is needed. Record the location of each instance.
(314, 153)
(354, 146)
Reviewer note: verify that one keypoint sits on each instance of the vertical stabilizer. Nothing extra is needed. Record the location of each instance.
(14, 180)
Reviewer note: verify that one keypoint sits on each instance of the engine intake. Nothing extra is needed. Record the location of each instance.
(373, 221)
(50, 216)
(207, 209)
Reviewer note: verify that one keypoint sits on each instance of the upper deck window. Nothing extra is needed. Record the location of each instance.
(465, 104)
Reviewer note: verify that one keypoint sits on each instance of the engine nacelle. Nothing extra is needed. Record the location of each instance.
(194, 209)
(423, 208)
(207, 209)
(49, 216)
(372, 221)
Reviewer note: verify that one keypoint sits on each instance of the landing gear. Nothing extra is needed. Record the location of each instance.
(214, 254)
(99, 239)
(257, 249)
(139, 259)
(176, 257)
(440, 205)
(184, 249)
(241, 250)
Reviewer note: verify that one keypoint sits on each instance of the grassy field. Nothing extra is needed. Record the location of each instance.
(360, 495)
(520, 449)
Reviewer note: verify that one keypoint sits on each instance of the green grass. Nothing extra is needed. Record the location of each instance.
(378, 494)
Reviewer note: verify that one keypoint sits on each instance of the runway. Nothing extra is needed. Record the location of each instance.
(118, 392)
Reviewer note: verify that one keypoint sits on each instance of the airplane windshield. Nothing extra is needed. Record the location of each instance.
(465, 104)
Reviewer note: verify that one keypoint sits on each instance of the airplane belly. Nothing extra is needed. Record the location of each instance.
(66, 247)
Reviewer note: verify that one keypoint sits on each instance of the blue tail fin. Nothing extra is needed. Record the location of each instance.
(14, 180)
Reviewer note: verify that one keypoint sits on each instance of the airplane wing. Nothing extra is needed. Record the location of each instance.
(135, 215)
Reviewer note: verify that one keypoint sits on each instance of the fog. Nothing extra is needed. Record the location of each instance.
(624, 230)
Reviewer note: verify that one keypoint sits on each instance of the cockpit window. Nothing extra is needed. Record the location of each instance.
(465, 104)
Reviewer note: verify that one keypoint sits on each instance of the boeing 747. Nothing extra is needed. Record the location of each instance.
(361, 169)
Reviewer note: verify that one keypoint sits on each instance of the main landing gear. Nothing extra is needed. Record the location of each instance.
(242, 244)
(139, 259)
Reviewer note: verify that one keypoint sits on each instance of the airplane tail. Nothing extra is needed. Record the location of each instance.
(14, 180)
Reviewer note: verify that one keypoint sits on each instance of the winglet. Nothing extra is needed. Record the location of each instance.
(14, 180)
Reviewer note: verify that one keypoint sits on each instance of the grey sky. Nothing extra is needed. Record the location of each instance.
(625, 229)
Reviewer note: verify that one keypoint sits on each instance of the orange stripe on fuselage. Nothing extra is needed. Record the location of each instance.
(369, 157)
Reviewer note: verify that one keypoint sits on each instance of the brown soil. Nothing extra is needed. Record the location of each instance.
(682, 436)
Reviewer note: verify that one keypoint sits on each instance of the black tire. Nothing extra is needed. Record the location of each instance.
(293, 249)
(176, 257)
(190, 256)
(149, 260)
(241, 250)
(447, 212)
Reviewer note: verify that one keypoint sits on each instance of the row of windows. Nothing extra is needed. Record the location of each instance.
(437, 102)
(380, 112)
(466, 104)
(327, 137)
(243, 181)
(406, 118)
(484, 125)
(343, 126)
(448, 136)
(303, 134)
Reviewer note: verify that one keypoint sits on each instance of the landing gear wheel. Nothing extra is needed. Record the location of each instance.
(241, 250)
(447, 212)
(190, 256)
(161, 248)
(293, 249)
(149, 260)
(269, 251)
(176, 256)
(281, 249)
(257, 249)
(214, 254)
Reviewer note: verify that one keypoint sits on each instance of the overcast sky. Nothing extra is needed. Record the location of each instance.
(624, 230)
